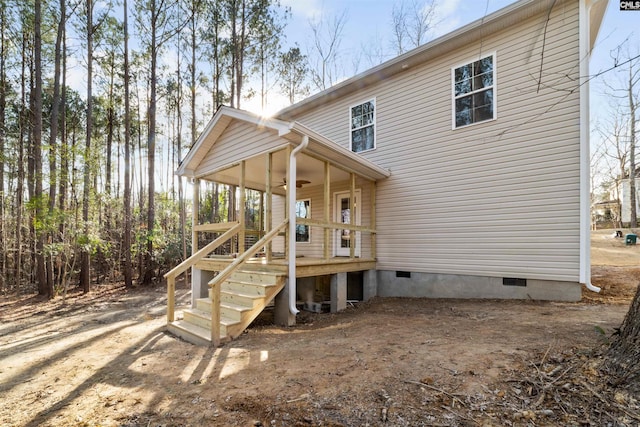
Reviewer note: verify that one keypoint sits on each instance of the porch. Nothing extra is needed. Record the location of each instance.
(325, 223)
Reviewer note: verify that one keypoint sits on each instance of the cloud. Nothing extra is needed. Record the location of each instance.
(306, 9)
(447, 17)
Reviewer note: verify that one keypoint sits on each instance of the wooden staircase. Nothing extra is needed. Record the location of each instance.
(243, 296)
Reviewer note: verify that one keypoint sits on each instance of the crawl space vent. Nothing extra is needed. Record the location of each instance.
(406, 274)
(512, 281)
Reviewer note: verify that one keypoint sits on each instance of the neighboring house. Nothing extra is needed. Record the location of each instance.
(422, 177)
(623, 187)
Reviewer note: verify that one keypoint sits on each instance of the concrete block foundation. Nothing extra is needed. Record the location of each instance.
(429, 285)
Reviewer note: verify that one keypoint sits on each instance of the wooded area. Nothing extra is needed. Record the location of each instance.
(87, 191)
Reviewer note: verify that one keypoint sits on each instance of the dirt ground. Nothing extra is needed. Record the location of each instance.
(104, 359)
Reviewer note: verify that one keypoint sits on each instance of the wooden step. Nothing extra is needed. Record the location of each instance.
(269, 278)
(245, 300)
(232, 311)
(204, 304)
(202, 319)
(242, 287)
(190, 332)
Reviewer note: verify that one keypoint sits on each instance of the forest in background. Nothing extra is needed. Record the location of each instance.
(87, 191)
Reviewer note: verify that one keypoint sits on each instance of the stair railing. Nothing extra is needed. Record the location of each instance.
(217, 281)
(190, 262)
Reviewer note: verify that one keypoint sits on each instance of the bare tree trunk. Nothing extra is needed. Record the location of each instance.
(622, 362)
(53, 134)
(41, 276)
(85, 277)
(128, 280)
(234, 50)
(151, 153)
(632, 147)
(3, 103)
(64, 163)
(110, 129)
(21, 144)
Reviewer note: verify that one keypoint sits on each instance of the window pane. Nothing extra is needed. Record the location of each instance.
(463, 73)
(356, 122)
(369, 139)
(485, 65)
(483, 106)
(482, 81)
(357, 140)
(463, 111)
(367, 119)
(463, 87)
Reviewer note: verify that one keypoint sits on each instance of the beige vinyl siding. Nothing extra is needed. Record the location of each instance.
(316, 194)
(277, 212)
(498, 198)
(238, 142)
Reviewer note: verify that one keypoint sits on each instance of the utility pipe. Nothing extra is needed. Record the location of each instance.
(292, 223)
(585, 192)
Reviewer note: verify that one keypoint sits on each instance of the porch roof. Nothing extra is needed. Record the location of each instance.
(291, 133)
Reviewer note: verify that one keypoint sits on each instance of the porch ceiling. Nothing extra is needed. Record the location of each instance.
(309, 169)
(310, 161)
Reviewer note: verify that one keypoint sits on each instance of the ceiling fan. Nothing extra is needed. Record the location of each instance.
(299, 183)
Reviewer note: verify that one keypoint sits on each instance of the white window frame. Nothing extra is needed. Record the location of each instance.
(374, 124)
(307, 217)
(493, 87)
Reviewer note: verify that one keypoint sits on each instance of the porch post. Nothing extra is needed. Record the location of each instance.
(268, 203)
(197, 278)
(352, 216)
(241, 208)
(195, 214)
(327, 209)
(373, 220)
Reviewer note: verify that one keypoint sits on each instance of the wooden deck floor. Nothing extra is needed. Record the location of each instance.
(305, 266)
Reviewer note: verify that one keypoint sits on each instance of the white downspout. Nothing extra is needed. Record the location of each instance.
(292, 223)
(585, 192)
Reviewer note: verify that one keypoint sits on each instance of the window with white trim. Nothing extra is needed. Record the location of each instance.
(303, 210)
(363, 126)
(474, 92)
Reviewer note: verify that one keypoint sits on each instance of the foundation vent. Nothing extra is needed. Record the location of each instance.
(512, 281)
(406, 274)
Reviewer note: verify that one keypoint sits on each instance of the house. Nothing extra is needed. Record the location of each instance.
(620, 191)
(421, 177)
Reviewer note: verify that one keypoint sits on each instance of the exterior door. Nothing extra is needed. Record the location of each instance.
(342, 212)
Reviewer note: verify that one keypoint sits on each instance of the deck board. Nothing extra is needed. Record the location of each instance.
(305, 266)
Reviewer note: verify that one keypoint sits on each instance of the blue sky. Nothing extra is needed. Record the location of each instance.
(371, 20)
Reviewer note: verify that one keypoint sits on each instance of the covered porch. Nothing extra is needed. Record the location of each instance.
(323, 226)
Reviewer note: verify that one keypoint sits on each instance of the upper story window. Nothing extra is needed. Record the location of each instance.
(363, 124)
(474, 92)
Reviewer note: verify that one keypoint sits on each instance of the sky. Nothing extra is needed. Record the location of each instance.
(371, 20)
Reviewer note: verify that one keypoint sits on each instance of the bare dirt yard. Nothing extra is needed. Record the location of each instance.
(104, 359)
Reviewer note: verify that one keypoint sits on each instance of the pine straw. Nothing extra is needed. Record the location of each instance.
(566, 389)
